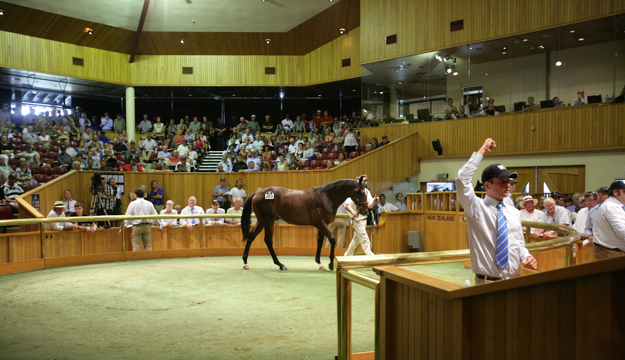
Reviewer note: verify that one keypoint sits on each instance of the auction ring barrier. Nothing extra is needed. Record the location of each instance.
(345, 275)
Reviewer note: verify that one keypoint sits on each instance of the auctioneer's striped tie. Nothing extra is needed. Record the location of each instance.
(502, 238)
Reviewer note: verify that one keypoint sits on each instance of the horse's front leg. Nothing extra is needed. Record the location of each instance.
(324, 231)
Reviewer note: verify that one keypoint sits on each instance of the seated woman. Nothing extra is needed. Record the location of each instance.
(171, 127)
(337, 127)
(202, 141)
(294, 165)
(299, 155)
(159, 128)
(279, 128)
(329, 136)
(24, 175)
(188, 135)
(282, 165)
(340, 159)
(88, 226)
(282, 139)
(401, 205)
(265, 161)
(179, 137)
(174, 159)
(339, 138)
(169, 210)
(350, 142)
(309, 153)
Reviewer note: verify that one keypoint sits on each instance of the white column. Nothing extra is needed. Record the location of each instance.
(130, 113)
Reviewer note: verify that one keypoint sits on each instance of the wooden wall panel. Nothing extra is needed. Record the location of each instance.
(423, 26)
(52, 57)
(325, 63)
(513, 132)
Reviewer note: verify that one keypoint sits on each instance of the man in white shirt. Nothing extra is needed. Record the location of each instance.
(57, 212)
(192, 208)
(383, 206)
(359, 222)
(609, 224)
(287, 124)
(147, 147)
(141, 229)
(293, 146)
(553, 214)
(68, 202)
(183, 150)
(145, 125)
(169, 210)
(214, 209)
(106, 123)
(339, 225)
(237, 192)
(497, 250)
(225, 163)
(237, 209)
(593, 200)
(529, 212)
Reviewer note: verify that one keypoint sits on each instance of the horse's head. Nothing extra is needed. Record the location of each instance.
(359, 195)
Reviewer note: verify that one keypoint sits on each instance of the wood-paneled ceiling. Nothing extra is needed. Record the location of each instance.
(299, 40)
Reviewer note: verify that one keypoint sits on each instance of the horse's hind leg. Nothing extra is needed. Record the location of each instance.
(255, 231)
(269, 242)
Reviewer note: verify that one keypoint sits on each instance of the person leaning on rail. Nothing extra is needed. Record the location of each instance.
(494, 226)
(141, 229)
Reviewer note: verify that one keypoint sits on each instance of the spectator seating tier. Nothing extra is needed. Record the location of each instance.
(60, 170)
(52, 155)
(314, 164)
(32, 186)
(48, 161)
(353, 154)
(41, 178)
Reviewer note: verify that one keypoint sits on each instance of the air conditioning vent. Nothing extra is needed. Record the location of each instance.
(187, 70)
(78, 61)
(270, 71)
(391, 39)
(346, 62)
(456, 25)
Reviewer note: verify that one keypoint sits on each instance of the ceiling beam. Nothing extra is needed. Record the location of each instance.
(135, 44)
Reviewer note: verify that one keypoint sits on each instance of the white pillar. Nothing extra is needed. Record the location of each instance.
(130, 113)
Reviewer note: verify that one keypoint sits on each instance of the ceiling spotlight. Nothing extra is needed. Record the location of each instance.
(89, 31)
(524, 40)
(558, 63)
(449, 70)
(403, 62)
(572, 31)
(455, 73)
(541, 47)
(182, 41)
(354, 90)
(319, 95)
(267, 41)
(531, 48)
(503, 53)
(1, 12)
(342, 31)
(580, 39)
(399, 83)
(190, 94)
(504, 48)
(486, 74)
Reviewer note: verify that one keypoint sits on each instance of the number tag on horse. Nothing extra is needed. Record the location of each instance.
(269, 195)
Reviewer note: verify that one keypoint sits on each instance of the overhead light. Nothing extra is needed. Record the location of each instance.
(34, 92)
(580, 39)
(449, 70)
(342, 31)
(486, 74)
(354, 90)
(455, 73)
(89, 31)
(558, 63)
(531, 48)
(1, 12)
(503, 53)
(403, 62)
(381, 92)
(504, 48)
(267, 41)
(572, 31)
(524, 40)
(190, 94)
(235, 94)
(319, 95)
(470, 48)
(396, 70)
(399, 83)
(182, 41)
(541, 47)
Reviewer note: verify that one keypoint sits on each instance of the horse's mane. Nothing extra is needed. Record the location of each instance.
(336, 185)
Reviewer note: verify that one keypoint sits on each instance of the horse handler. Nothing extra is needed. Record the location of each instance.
(359, 222)
(141, 229)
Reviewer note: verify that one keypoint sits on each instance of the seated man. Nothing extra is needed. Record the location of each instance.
(145, 125)
(580, 99)
(489, 111)
(192, 208)
(554, 214)
(251, 166)
(237, 209)
(31, 156)
(287, 124)
(255, 158)
(57, 212)
(528, 211)
(147, 148)
(383, 206)
(88, 226)
(169, 210)
(133, 166)
(225, 163)
(11, 190)
(214, 209)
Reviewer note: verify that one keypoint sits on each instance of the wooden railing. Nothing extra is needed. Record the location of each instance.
(541, 131)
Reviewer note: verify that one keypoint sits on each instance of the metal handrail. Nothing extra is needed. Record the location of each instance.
(345, 276)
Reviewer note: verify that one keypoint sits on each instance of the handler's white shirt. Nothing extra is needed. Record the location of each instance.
(141, 207)
(164, 222)
(481, 216)
(187, 211)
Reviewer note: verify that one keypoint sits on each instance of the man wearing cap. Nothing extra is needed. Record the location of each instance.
(494, 227)
(5, 114)
(529, 211)
(64, 159)
(555, 215)
(609, 224)
(192, 208)
(57, 212)
(11, 190)
(119, 124)
(253, 125)
(141, 229)
(215, 209)
(219, 194)
(557, 198)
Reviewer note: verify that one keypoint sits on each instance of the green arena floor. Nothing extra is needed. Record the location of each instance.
(198, 308)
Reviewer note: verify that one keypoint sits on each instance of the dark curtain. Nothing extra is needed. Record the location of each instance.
(181, 108)
(97, 106)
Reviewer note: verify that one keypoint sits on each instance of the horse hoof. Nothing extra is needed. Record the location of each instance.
(331, 266)
(322, 268)
(282, 267)
(246, 267)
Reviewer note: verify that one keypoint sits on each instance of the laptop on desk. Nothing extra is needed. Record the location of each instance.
(546, 104)
(594, 99)
(518, 106)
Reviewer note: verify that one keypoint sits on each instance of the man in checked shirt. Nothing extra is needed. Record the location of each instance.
(494, 227)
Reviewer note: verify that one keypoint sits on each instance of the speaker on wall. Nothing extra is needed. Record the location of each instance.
(436, 144)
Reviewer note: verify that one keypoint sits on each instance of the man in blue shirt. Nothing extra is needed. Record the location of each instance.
(157, 195)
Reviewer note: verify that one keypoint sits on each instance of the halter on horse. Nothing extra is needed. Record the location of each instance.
(316, 206)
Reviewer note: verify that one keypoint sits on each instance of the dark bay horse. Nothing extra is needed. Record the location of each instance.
(316, 206)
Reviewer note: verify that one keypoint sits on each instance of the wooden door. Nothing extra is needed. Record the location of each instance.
(564, 179)
(526, 175)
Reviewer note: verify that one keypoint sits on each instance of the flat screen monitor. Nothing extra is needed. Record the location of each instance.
(546, 104)
(500, 109)
(594, 99)
(410, 118)
(518, 106)
(423, 114)
(441, 186)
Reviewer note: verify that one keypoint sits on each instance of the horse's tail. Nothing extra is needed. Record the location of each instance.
(246, 217)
